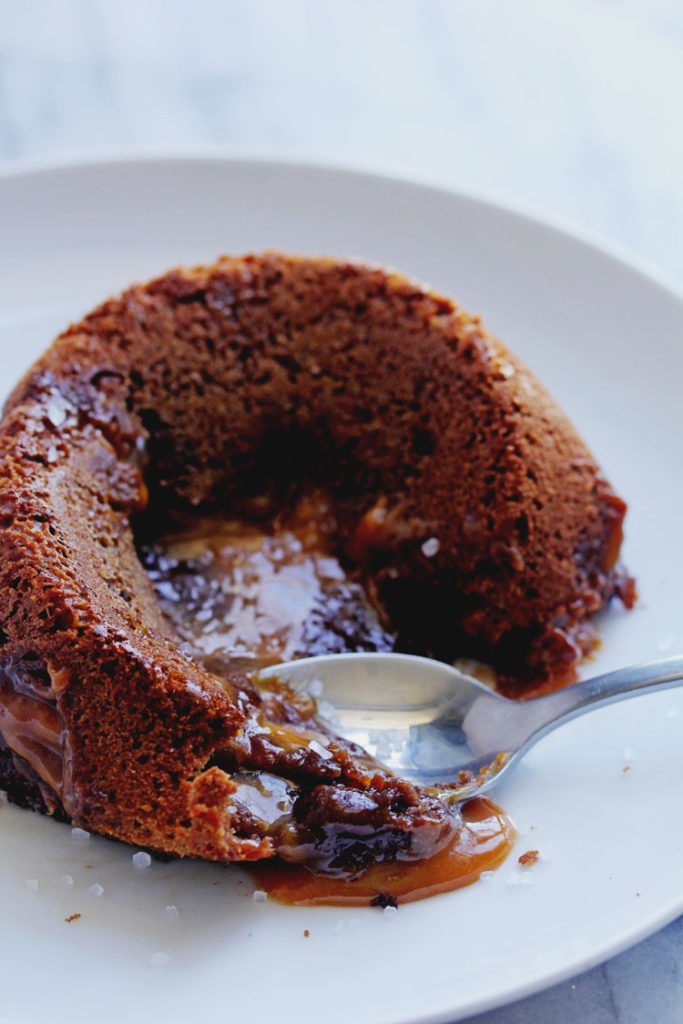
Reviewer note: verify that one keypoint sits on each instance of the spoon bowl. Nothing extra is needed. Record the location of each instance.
(435, 725)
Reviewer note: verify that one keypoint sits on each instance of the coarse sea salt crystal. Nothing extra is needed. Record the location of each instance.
(141, 860)
(66, 880)
(159, 960)
(79, 835)
(172, 912)
(430, 547)
(389, 911)
(33, 884)
(671, 713)
(55, 414)
(315, 687)
(95, 891)
(506, 370)
(628, 754)
(259, 896)
(320, 750)
(486, 876)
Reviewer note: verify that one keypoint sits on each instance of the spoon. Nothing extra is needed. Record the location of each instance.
(430, 723)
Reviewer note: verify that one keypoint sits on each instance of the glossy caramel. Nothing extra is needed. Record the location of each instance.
(482, 844)
(246, 595)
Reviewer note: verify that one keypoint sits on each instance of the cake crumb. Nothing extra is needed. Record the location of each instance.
(72, 917)
(384, 900)
(626, 768)
(528, 858)
(306, 933)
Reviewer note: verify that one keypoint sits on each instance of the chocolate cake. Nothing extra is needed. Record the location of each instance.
(420, 475)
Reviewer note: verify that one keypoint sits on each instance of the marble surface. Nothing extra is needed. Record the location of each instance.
(575, 109)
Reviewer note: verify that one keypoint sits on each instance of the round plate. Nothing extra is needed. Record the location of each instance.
(600, 799)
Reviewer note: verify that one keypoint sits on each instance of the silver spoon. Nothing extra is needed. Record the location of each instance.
(430, 722)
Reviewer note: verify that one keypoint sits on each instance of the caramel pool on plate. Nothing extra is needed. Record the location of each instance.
(482, 843)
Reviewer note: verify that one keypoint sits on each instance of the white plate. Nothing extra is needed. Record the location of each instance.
(607, 340)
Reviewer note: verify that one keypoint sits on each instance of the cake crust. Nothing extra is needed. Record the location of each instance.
(474, 512)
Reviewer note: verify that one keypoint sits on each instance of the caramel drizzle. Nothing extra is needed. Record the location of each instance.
(33, 727)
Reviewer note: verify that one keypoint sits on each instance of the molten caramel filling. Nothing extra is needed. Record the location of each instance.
(244, 595)
(32, 726)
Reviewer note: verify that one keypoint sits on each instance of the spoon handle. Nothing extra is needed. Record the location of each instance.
(513, 727)
(545, 713)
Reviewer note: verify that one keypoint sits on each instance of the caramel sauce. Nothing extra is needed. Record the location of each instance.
(247, 595)
(33, 727)
(482, 844)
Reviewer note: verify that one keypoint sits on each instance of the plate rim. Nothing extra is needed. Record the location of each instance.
(377, 170)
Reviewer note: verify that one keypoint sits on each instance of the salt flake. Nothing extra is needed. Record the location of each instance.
(320, 750)
(430, 547)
